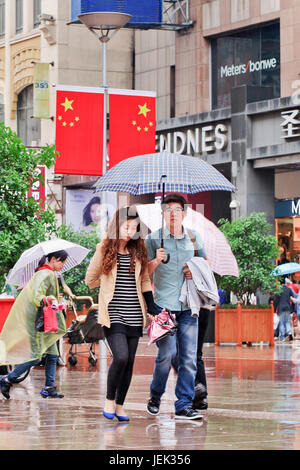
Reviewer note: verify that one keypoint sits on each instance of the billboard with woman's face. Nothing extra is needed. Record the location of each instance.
(85, 211)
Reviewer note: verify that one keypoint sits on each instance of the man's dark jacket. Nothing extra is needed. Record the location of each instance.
(282, 302)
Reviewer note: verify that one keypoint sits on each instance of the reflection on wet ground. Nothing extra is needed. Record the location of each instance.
(254, 403)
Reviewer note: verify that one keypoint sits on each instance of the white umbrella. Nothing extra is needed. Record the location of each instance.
(221, 259)
(24, 268)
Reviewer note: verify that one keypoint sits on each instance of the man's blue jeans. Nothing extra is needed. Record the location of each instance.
(285, 328)
(186, 337)
(50, 369)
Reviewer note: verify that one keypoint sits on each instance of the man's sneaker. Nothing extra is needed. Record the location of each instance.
(5, 386)
(50, 392)
(188, 413)
(153, 406)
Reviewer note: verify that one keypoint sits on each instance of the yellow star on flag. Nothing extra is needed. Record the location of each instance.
(59, 118)
(67, 104)
(71, 124)
(143, 109)
(77, 118)
(139, 128)
(146, 129)
(64, 124)
(133, 123)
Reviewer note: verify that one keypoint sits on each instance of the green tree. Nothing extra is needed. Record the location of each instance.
(255, 251)
(22, 221)
(75, 278)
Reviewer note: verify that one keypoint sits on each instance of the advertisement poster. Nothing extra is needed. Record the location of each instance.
(41, 95)
(85, 210)
(38, 190)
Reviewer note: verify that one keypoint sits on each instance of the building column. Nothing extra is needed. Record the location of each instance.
(254, 188)
(10, 26)
(27, 16)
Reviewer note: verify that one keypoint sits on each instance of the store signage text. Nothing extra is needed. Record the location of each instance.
(194, 141)
(290, 125)
(232, 70)
(296, 207)
(288, 208)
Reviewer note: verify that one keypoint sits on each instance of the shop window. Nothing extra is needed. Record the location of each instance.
(1, 108)
(249, 57)
(2, 18)
(288, 236)
(29, 128)
(36, 13)
(19, 16)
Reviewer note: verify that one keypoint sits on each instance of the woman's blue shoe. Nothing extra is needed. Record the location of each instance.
(108, 415)
(123, 418)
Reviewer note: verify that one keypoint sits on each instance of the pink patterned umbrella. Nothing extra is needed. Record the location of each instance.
(221, 259)
(164, 324)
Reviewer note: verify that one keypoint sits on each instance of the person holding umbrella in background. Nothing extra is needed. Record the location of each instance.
(282, 305)
(20, 343)
(19, 336)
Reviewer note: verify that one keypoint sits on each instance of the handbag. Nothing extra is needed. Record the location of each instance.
(295, 319)
(164, 324)
(46, 319)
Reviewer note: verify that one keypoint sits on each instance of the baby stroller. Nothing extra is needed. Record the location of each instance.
(84, 330)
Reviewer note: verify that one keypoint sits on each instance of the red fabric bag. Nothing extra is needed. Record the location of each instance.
(295, 319)
(50, 318)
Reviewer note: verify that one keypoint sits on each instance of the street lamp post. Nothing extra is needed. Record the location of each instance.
(104, 25)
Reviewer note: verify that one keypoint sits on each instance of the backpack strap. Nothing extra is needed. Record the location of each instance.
(193, 239)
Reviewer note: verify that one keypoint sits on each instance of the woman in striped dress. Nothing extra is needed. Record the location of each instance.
(120, 267)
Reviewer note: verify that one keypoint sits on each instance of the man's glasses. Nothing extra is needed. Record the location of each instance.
(177, 210)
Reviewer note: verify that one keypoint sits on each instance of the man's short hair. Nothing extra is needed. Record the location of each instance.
(175, 198)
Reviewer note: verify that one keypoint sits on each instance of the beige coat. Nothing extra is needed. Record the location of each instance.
(107, 285)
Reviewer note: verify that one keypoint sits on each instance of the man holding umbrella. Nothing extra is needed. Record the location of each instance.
(168, 280)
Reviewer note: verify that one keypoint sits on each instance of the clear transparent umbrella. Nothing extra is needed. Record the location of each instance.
(24, 268)
(221, 259)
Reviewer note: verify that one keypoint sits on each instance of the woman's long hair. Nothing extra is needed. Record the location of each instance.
(60, 255)
(136, 245)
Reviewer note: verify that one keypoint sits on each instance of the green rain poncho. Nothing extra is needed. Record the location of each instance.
(19, 342)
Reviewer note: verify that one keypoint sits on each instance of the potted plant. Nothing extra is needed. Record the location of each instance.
(255, 250)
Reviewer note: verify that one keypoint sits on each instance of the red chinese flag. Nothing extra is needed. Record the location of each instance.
(131, 124)
(79, 130)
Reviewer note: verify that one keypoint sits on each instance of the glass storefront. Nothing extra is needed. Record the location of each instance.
(287, 230)
(248, 57)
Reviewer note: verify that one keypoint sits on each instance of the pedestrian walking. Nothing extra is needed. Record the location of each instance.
(120, 267)
(296, 301)
(282, 305)
(168, 281)
(19, 336)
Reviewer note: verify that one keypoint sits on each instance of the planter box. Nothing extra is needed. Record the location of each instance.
(240, 325)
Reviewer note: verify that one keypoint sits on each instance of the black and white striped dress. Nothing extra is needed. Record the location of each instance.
(124, 309)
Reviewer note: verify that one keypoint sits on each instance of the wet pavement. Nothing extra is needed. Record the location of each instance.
(254, 404)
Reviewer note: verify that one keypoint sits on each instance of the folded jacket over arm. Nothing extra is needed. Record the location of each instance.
(201, 291)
